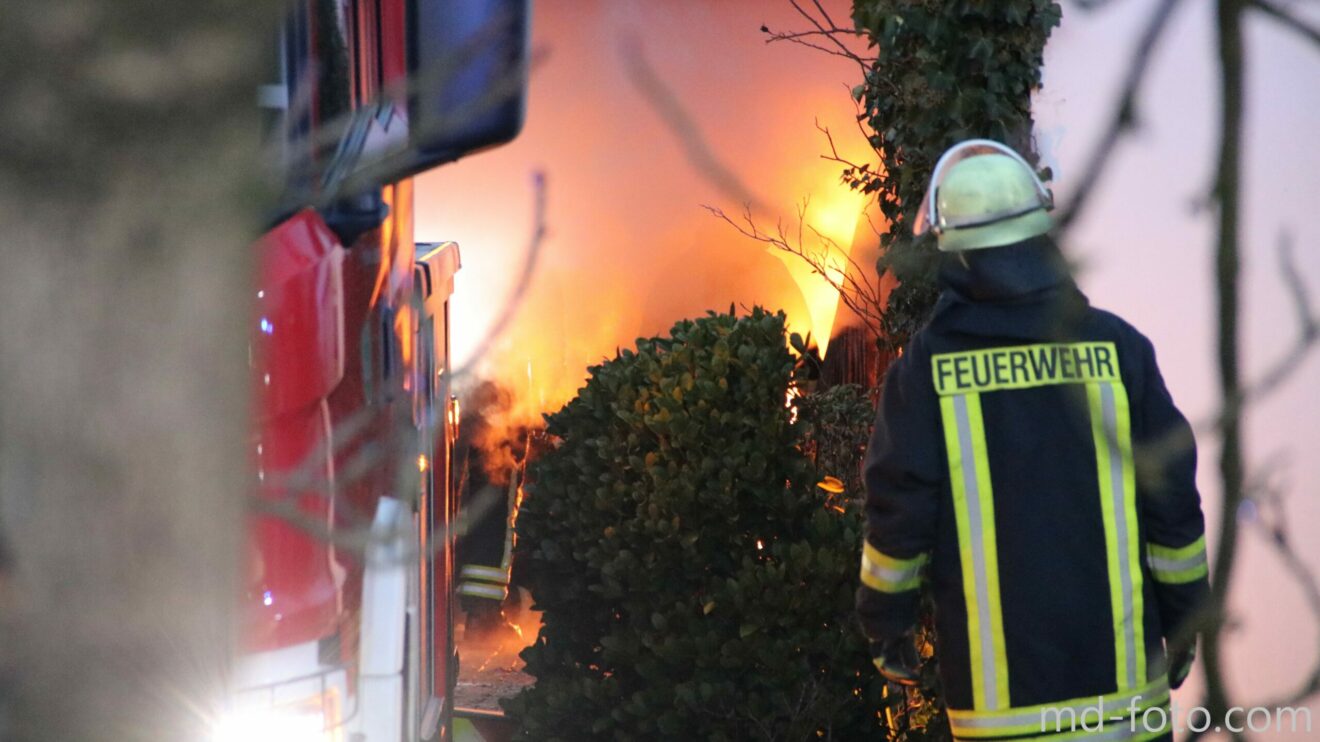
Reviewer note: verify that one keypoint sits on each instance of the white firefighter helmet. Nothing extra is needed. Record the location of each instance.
(983, 194)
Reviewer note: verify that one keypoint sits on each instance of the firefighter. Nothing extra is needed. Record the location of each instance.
(1028, 462)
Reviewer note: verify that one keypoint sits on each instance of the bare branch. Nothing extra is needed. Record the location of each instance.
(1092, 4)
(1276, 532)
(834, 156)
(848, 278)
(1308, 331)
(871, 223)
(858, 294)
(1177, 442)
(824, 28)
(1124, 113)
(801, 41)
(823, 12)
(358, 537)
(793, 35)
(1227, 280)
(1289, 21)
(1308, 336)
(680, 122)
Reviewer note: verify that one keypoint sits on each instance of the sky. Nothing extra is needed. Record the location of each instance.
(629, 248)
(1148, 254)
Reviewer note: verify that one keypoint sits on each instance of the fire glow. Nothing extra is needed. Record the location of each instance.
(628, 249)
(834, 216)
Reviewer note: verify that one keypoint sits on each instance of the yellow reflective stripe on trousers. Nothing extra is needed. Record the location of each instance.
(1180, 565)
(973, 501)
(483, 590)
(488, 574)
(887, 574)
(1056, 716)
(1112, 430)
(1125, 730)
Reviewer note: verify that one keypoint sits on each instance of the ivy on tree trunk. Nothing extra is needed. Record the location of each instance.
(943, 72)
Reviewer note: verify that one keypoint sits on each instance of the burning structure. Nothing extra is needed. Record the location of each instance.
(628, 248)
(490, 460)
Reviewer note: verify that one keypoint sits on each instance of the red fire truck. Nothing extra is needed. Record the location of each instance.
(347, 613)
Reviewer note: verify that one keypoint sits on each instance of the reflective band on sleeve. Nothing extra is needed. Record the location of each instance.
(1063, 720)
(1112, 432)
(1177, 566)
(890, 575)
(489, 574)
(973, 500)
(483, 590)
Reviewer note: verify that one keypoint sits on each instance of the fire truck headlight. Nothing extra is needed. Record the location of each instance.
(297, 724)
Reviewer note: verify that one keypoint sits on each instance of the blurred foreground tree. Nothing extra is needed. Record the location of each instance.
(127, 193)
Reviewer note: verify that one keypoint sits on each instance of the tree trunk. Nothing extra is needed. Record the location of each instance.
(128, 135)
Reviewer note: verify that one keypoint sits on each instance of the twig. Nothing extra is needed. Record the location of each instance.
(816, 47)
(1308, 336)
(1306, 580)
(825, 28)
(1124, 113)
(360, 536)
(680, 122)
(1308, 327)
(1289, 20)
(834, 156)
(856, 292)
(1276, 532)
(792, 35)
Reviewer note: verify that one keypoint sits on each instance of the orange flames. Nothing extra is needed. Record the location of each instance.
(628, 249)
(574, 318)
(500, 652)
(834, 215)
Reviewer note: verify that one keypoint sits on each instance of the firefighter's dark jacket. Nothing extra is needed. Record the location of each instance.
(1029, 463)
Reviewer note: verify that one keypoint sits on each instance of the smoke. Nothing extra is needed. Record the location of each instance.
(487, 438)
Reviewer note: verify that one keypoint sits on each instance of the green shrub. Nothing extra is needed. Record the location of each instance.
(836, 425)
(695, 582)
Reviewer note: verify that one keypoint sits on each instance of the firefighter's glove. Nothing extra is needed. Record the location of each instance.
(897, 661)
(1180, 666)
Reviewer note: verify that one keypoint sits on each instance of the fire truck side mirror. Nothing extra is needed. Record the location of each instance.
(468, 64)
